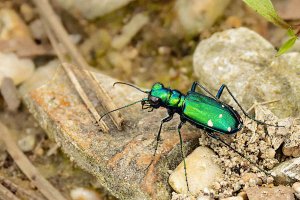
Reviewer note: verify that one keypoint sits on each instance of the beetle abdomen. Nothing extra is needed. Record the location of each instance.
(211, 114)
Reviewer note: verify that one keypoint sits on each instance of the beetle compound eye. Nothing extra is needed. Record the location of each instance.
(154, 99)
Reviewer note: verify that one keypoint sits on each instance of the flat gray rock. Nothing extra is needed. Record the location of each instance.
(119, 159)
(246, 62)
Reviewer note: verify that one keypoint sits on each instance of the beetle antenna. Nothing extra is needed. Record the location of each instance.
(131, 104)
(233, 149)
(147, 92)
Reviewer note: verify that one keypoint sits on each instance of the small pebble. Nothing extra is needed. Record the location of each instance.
(15, 68)
(12, 26)
(196, 16)
(37, 29)
(233, 198)
(243, 194)
(270, 180)
(27, 12)
(204, 198)
(252, 182)
(233, 22)
(202, 169)
(274, 193)
(27, 143)
(84, 194)
(10, 94)
(296, 187)
(163, 50)
(270, 153)
(216, 186)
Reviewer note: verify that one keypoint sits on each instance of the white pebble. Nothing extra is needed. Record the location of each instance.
(84, 194)
(15, 68)
(27, 143)
(296, 187)
(202, 172)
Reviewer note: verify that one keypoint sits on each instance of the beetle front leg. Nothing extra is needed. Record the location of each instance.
(171, 114)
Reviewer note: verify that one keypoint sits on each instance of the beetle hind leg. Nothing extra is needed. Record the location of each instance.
(239, 105)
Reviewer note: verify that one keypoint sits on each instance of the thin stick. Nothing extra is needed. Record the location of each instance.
(69, 70)
(27, 168)
(19, 190)
(83, 96)
(7, 194)
(54, 23)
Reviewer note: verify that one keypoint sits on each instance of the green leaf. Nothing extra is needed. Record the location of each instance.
(286, 46)
(291, 33)
(266, 9)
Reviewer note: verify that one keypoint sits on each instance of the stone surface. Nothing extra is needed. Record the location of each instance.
(292, 144)
(196, 16)
(246, 62)
(275, 193)
(287, 172)
(15, 68)
(201, 172)
(118, 159)
(92, 9)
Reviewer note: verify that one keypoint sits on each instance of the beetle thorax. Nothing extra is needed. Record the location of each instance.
(167, 97)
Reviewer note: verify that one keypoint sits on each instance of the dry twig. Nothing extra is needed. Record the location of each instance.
(55, 25)
(27, 168)
(6, 194)
(70, 72)
(19, 190)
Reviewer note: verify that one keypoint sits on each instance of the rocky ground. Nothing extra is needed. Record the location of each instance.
(175, 42)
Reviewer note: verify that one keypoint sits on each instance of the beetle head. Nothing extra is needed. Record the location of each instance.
(158, 95)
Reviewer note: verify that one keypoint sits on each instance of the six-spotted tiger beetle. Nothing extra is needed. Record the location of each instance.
(206, 112)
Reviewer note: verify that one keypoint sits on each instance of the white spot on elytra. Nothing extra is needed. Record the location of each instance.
(229, 129)
(223, 106)
(210, 123)
(220, 116)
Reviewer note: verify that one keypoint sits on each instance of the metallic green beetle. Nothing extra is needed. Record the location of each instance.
(202, 111)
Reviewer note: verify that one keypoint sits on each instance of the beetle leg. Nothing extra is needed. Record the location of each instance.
(211, 134)
(220, 91)
(171, 114)
(183, 157)
(235, 100)
(195, 84)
